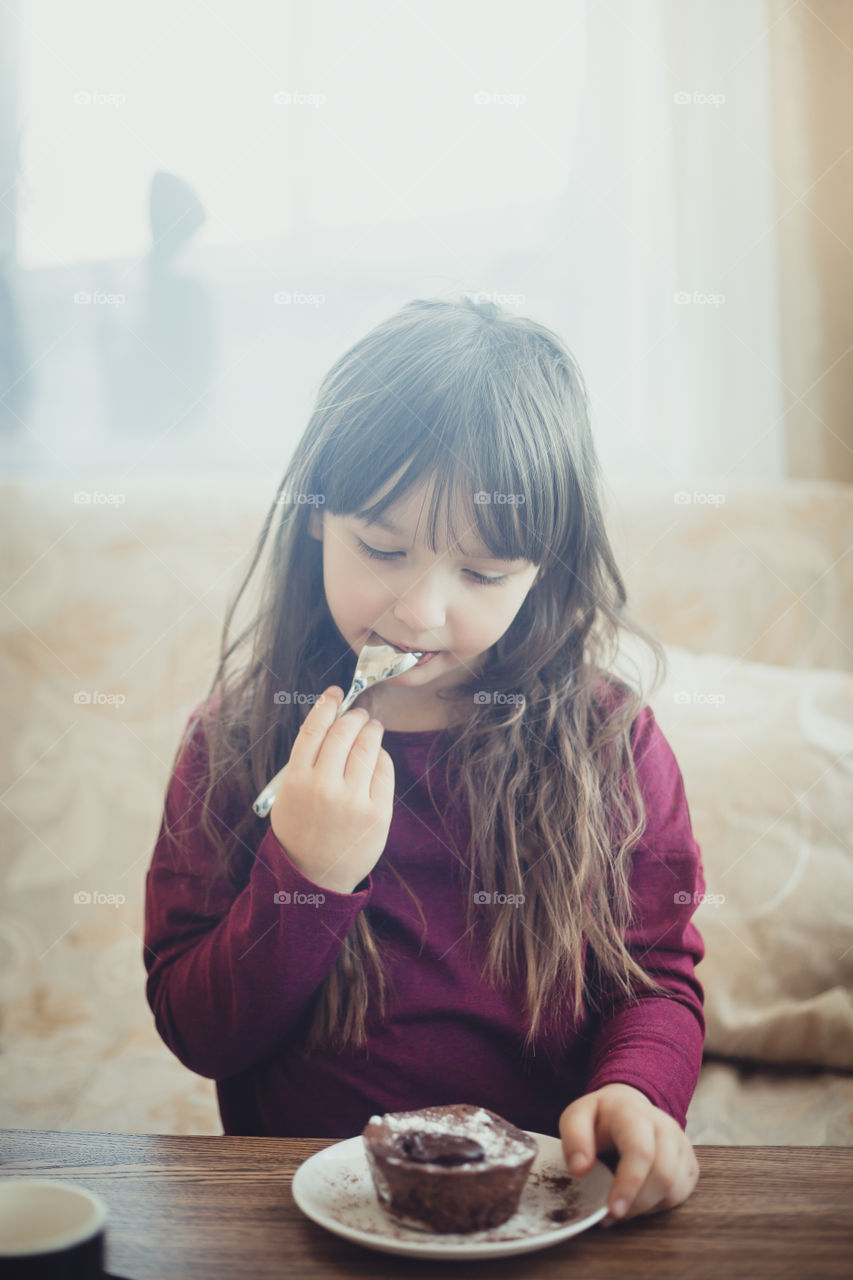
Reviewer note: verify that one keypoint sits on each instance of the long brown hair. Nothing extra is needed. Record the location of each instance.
(471, 400)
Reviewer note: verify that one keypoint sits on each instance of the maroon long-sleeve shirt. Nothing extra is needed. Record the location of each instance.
(231, 986)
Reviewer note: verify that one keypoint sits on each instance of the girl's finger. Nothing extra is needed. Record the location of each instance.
(361, 761)
(337, 744)
(665, 1185)
(673, 1176)
(577, 1131)
(314, 728)
(383, 780)
(635, 1139)
(325, 742)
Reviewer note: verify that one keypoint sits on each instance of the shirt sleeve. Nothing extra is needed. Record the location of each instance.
(655, 1042)
(230, 977)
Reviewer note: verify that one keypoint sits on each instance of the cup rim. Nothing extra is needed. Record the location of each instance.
(93, 1227)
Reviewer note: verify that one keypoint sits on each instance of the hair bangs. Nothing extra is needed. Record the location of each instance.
(386, 449)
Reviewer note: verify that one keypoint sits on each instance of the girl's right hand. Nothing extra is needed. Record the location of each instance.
(333, 810)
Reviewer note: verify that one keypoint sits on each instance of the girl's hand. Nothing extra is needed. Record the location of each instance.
(657, 1168)
(333, 810)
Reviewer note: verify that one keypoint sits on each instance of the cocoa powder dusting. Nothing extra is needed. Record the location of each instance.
(549, 1202)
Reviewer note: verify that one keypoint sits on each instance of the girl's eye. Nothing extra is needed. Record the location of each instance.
(377, 555)
(479, 578)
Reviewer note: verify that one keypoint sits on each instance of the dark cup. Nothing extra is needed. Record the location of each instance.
(50, 1230)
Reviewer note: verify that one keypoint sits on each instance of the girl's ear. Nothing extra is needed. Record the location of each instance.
(315, 526)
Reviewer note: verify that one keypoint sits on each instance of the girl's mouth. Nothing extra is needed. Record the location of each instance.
(421, 662)
(428, 657)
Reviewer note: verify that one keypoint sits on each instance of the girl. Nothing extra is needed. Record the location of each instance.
(476, 885)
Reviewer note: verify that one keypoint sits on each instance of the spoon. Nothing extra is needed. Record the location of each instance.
(376, 662)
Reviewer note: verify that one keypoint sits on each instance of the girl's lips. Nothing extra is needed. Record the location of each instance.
(427, 655)
(406, 649)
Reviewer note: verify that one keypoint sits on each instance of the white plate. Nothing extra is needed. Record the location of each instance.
(335, 1189)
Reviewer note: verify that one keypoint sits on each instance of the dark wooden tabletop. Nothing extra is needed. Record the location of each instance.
(199, 1208)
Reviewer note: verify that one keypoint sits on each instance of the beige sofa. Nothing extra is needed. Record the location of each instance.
(110, 633)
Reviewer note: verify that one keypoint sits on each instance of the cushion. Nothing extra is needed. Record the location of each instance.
(780, 551)
(766, 753)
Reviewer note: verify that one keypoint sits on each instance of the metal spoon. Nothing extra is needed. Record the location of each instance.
(376, 662)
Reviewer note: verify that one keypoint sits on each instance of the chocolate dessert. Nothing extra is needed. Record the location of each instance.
(453, 1168)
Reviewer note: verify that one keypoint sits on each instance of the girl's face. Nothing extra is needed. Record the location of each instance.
(384, 584)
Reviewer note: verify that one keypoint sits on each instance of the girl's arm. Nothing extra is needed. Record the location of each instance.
(647, 1054)
(229, 980)
(655, 1043)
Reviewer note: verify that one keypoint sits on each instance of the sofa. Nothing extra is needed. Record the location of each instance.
(114, 596)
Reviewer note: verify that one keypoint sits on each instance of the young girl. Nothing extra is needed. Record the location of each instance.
(477, 884)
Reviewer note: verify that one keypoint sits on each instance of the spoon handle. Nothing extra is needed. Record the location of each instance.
(266, 799)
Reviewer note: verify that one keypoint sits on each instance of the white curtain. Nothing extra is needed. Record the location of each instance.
(665, 241)
(602, 165)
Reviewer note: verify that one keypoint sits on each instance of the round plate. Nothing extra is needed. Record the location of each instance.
(334, 1187)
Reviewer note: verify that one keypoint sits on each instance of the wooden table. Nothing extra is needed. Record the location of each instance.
(208, 1207)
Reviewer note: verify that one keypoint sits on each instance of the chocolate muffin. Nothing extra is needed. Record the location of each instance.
(452, 1168)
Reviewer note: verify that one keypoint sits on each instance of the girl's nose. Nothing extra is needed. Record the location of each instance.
(421, 609)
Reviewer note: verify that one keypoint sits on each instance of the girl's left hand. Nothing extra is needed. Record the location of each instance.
(657, 1168)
